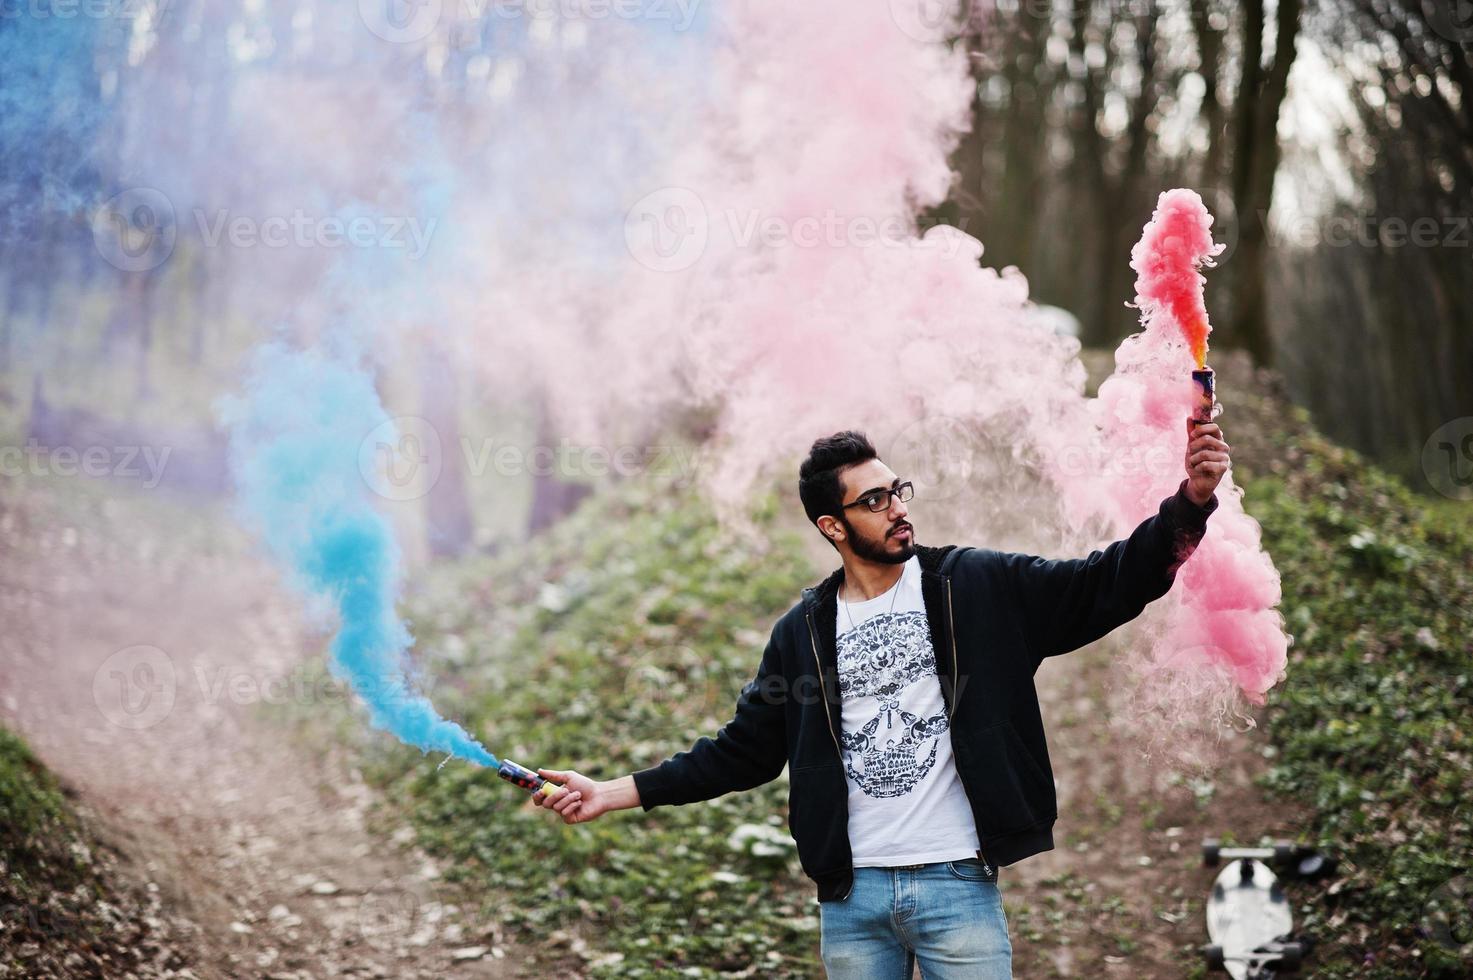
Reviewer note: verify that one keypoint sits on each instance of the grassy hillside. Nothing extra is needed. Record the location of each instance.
(63, 912)
(1371, 726)
(621, 637)
(628, 632)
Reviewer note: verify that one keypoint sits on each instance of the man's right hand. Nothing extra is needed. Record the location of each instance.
(582, 799)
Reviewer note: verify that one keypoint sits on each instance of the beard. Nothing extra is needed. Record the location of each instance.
(886, 550)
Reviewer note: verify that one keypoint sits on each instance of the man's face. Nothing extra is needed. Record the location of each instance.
(882, 537)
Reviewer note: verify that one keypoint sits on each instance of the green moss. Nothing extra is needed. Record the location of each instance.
(34, 823)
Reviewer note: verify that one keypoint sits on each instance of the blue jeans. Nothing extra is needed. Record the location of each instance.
(947, 915)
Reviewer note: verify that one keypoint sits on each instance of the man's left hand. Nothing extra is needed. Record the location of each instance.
(1207, 460)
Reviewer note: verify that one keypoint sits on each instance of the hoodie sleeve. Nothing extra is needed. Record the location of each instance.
(748, 751)
(1068, 603)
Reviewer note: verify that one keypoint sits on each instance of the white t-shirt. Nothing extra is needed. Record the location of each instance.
(906, 803)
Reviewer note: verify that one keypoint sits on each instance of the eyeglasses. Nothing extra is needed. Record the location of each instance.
(879, 500)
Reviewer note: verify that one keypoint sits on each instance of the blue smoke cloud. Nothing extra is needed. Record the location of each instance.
(182, 110)
(53, 117)
(295, 438)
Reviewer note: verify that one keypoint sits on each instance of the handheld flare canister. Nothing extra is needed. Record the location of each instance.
(1206, 390)
(526, 778)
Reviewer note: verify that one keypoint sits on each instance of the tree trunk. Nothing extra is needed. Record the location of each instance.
(450, 528)
(1209, 52)
(553, 498)
(1256, 162)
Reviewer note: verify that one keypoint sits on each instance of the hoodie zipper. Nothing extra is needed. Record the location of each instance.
(823, 692)
(951, 621)
(822, 688)
(955, 674)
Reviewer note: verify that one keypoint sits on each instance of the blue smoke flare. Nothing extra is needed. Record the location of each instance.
(295, 438)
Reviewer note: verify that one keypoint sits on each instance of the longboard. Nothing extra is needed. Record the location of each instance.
(1249, 921)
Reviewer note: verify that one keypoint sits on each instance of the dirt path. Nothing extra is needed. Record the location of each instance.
(140, 640)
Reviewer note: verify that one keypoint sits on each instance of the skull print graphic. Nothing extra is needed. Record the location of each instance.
(893, 751)
(906, 803)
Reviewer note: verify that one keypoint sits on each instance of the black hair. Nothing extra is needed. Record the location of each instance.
(819, 486)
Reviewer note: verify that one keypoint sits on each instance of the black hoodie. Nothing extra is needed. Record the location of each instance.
(993, 617)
